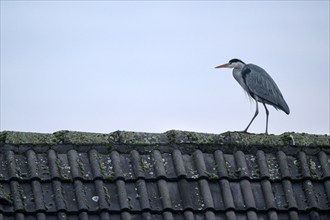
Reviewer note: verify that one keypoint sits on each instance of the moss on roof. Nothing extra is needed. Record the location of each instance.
(169, 137)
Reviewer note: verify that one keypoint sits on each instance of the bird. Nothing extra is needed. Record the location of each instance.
(259, 85)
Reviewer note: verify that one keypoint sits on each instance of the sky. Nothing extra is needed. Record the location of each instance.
(148, 66)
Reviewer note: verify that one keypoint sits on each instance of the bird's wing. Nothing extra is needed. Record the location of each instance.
(260, 84)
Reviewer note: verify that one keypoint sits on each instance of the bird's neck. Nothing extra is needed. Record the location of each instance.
(237, 73)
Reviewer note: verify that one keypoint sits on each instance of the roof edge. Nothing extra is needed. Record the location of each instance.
(168, 137)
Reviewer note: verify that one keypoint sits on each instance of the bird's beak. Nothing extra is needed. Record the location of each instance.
(226, 65)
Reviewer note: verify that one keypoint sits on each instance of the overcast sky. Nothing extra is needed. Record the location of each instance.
(149, 65)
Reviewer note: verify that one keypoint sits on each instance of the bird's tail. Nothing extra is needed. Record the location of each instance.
(284, 107)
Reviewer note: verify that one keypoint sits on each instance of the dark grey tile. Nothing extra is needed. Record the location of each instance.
(153, 193)
(69, 197)
(230, 215)
(32, 164)
(17, 196)
(38, 195)
(220, 164)
(117, 167)
(289, 195)
(271, 215)
(100, 198)
(175, 196)
(304, 165)
(294, 167)
(308, 188)
(53, 163)
(43, 166)
(111, 195)
(199, 164)
(273, 167)
(247, 193)
(188, 215)
(230, 165)
(158, 164)
(147, 166)
(324, 163)
(227, 194)
(179, 164)
(84, 164)
(167, 216)
(64, 167)
(169, 166)
(86, 183)
(142, 195)
(283, 165)
(252, 166)
(126, 167)
(259, 202)
(186, 194)
(242, 170)
(136, 164)
(74, 162)
(80, 195)
(251, 215)
(95, 164)
(262, 165)
(164, 194)
(207, 198)
(189, 165)
(122, 195)
(133, 198)
(89, 193)
(11, 165)
(299, 196)
(217, 196)
(237, 196)
(314, 167)
(209, 215)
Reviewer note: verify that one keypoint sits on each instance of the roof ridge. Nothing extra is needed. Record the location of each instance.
(166, 138)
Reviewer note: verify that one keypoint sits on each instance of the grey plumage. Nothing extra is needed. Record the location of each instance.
(263, 86)
(259, 85)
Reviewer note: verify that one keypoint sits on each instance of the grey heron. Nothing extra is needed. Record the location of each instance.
(258, 84)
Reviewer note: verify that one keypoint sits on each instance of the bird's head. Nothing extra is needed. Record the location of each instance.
(232, 64)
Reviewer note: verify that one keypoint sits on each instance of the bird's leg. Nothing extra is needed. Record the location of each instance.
(255, 115)
(267, 114)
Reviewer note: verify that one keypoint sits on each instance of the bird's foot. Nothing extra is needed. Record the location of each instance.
(244, 131)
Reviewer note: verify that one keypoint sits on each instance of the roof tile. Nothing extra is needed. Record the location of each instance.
(136, 164)
(142, 195)
(247, 194)
(324, 163)
(220, 164)
(175, 175)
(227, 197)
(303, 164)
(179, 164)
(206, 194)
(37, 196)
(58, 195)
(262, 165)
(266, 200)
(289, 195)
(242, 169)
(283, 165)
(158, 164)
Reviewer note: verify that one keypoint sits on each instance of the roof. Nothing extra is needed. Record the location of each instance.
(173, 175)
